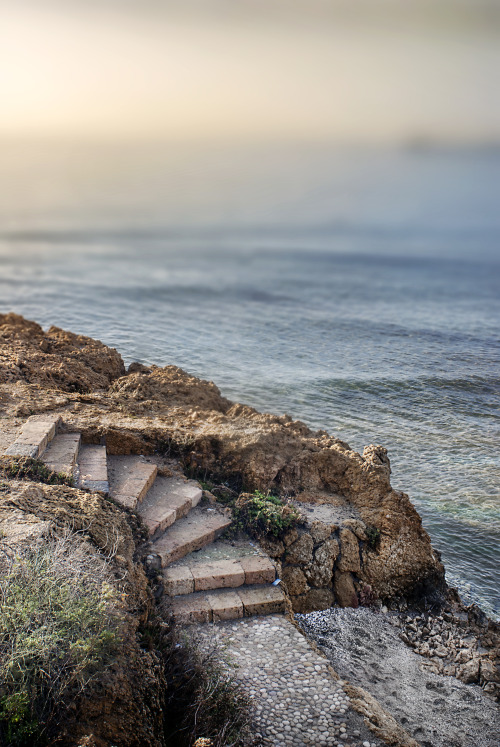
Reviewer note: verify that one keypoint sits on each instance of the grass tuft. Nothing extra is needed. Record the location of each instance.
(27, 468)
(57, 628)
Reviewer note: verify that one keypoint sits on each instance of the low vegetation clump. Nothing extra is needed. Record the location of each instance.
(203, 701)
(58, 625)
(261, 514)
(27, 468)
(373, 536)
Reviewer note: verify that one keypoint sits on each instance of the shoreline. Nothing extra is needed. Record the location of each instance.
(359, 544)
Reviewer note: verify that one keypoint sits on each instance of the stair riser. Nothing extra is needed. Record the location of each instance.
(206, 613)
(34, 438)
(156, 529)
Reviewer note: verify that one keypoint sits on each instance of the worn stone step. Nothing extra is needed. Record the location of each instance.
(213, 606)
(200, 527)
(130, 478)
(169, 499)
(62, 453)
(36, 433)
(188, 576)
(93, 468)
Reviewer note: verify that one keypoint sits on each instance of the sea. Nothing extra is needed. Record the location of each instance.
(356, 288)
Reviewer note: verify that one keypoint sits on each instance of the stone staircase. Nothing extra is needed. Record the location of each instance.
(207, 579)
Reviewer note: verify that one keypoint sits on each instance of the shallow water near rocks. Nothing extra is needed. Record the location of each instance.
(357, 290)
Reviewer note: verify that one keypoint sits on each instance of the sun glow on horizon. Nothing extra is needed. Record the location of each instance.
(97, 72)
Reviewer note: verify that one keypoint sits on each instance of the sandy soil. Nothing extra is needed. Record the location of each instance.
(365, 649)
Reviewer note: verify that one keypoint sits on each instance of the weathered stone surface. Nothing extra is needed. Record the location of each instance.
(469, 672)
(93, 468)
(258, 569)
(178, 580)
(219, 575)
(130, 478)
(349, 552)
(320, 572)
(294, 580)
(273, 547)
(290, 537)
(55, 359)
(262, 600)
(226, 605)
(357, 527)
(230, 442)
(319, 531)
(169, 499)
(301, 551)
(36, 433)
(192, 608)
(381, 722)
(345, 592)
(192, 533)
(312, 600)
(61, 454)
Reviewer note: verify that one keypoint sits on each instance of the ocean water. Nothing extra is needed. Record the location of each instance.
(355, 289)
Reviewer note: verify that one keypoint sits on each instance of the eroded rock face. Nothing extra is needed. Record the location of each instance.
(54, 359)
(167, 409)
(126, 699)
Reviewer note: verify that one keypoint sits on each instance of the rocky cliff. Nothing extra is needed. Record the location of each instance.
(371, 537)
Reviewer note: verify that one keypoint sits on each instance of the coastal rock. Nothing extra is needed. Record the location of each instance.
(171, 411)
(469, 672)
(349, 552)
(272, 546)
(320, 572)
(381, 722)
(320, 531)
(344, 589)
(301, 551)
(54, 359)
(357, 527)
(314, 599)
(294, 580)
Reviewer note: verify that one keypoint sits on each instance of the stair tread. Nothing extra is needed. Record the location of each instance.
(215, 605)
(62, 452)
(93, 468)
(191, 533)
(169, 499)
(34, 436)
(130, 478)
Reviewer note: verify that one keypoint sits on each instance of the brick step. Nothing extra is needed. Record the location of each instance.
(213, 606)
(36, 433)
(188, 576)
(62, 453)
(93, 469)
(130, 478)
(169, 499)
(200, 527)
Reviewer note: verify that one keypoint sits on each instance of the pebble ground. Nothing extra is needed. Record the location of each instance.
(296, 700)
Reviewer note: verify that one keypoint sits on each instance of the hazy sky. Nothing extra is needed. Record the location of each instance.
(312, 69)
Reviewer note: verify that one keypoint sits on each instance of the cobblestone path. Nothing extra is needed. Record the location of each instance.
(296, 700)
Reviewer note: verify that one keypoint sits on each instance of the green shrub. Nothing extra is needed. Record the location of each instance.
(373, 535)
(57, 627)
(26, 468)
(262, 514)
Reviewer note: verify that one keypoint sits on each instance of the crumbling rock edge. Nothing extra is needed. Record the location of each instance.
(149, 409)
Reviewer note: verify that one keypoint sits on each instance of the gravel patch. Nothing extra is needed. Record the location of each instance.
(364, 647)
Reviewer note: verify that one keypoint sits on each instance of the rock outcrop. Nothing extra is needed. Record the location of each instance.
(167, 409)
